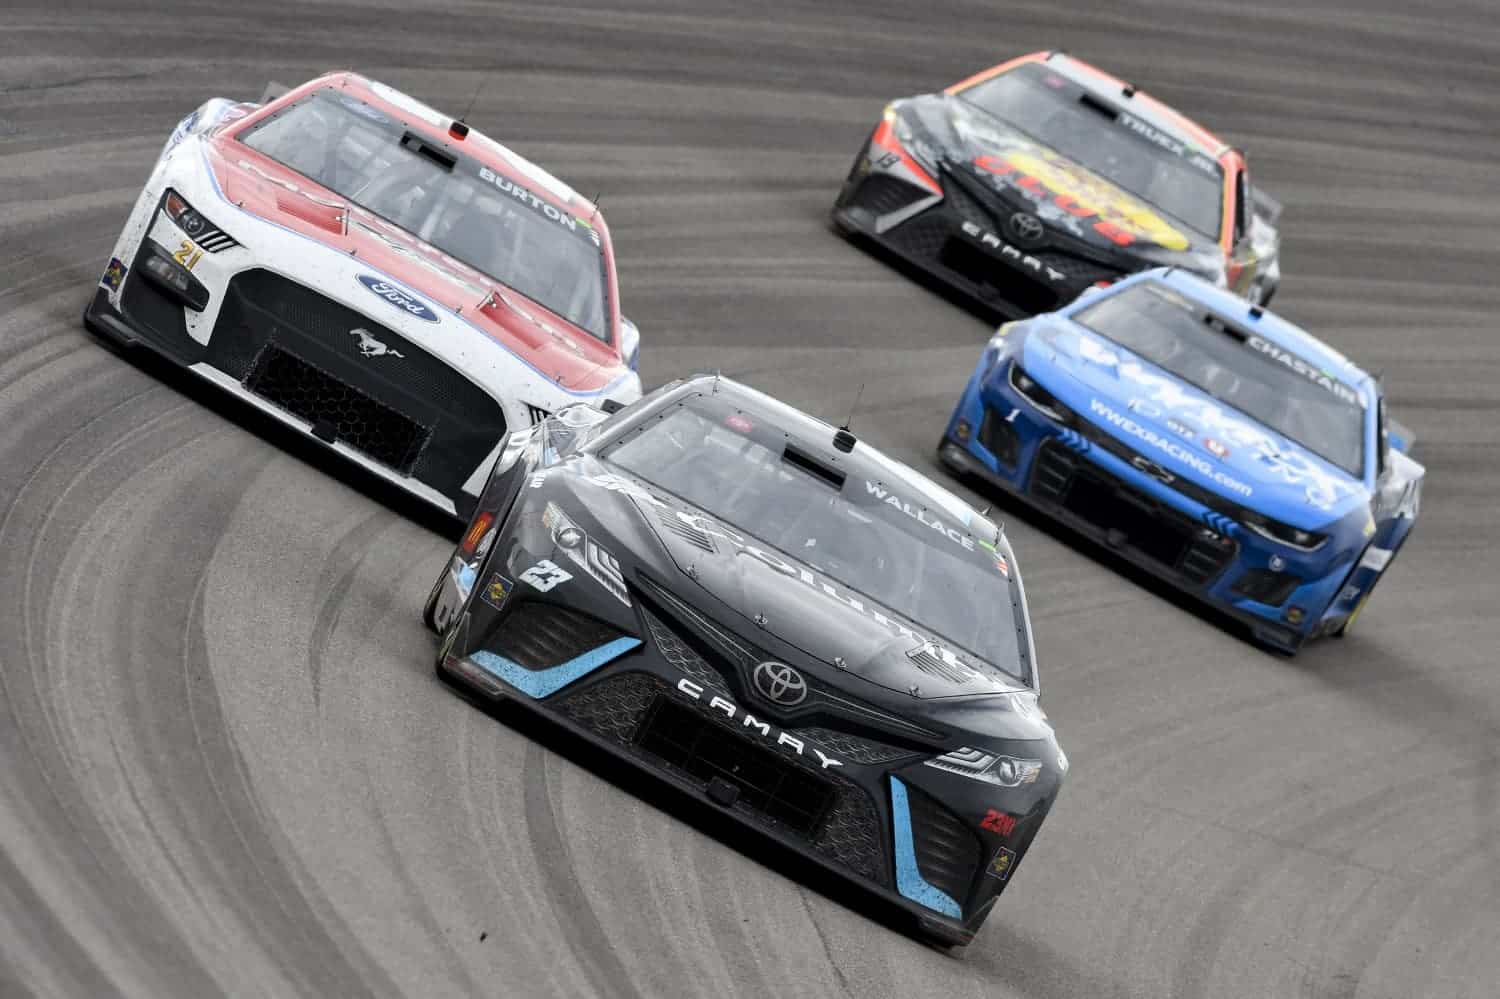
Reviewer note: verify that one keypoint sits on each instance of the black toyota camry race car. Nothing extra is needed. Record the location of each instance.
(764, 611)
(1027, 183)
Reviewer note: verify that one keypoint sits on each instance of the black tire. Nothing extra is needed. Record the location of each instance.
(429, 609)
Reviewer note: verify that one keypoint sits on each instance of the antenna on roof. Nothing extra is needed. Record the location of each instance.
(483, 79)
(850, 418)
(597, 198)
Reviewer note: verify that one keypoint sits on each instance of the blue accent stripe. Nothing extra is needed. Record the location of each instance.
(541, 682)
(909, 880)
(588, 394)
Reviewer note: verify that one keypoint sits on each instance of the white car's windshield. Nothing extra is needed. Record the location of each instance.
(488, 221)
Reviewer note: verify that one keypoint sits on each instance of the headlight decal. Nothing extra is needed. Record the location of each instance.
(991, 768)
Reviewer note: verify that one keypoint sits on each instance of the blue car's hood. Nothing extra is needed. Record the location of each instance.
(1185, 431)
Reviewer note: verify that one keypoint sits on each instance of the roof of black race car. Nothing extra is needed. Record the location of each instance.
(813, 434)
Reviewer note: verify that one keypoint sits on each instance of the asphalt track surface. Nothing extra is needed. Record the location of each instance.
(226, 766)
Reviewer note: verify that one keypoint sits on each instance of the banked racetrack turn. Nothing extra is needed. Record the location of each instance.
(226, 766)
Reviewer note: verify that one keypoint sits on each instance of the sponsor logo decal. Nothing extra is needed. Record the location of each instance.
(747, 720)
(1285, 357)
(114, 274)
(998, 822)
(1216, 449)
(994, 242)
(1181, 429)
(1197, 462)
(1048, 177)
(496, 591)
(536, 204)
(371, 347)
(399, 297)
(779, 684)
(920, 515)
(1001, 864)
(1321, 489)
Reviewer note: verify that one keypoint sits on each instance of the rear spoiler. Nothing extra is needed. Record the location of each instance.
(1267, 207)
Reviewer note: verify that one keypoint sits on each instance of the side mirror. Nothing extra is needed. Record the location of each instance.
(630, 343)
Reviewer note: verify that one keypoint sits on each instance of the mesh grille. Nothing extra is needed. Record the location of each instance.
(613, 707)
(922, 237)
(682, 655)
(354, 418)
(538, 636)
(850, 833)
(948, 852)
(769, 783)
(995, 276)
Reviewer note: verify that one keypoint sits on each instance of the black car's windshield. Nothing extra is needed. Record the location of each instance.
(874, 537)
(1257, 377)
(1182, 181)
(488, 221)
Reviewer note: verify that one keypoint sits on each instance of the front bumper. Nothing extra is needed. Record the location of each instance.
(876, 815)
(962, 244)
(1284, 597)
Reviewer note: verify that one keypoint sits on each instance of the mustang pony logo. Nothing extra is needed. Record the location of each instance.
(371, 347)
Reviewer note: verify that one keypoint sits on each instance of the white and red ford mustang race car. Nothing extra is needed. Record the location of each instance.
(374, 274)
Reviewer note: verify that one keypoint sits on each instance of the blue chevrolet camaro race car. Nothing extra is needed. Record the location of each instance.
(1206, 440)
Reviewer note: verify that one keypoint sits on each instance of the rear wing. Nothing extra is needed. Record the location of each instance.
(1265, 206)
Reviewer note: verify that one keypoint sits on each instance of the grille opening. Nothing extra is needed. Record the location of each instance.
(768, 783)
(948, 852)
(1107, 504)
(1100, 504)
(999, 438)
(538, 635)
(374, 429)
(881, 194)
(996, 280)
(1266, 587)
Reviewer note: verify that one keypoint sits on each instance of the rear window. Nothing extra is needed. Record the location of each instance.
(876, 538)
(1266, 382)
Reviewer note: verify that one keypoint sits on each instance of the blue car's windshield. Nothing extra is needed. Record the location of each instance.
(1271, 385)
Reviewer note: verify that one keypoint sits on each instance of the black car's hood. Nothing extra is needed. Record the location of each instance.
(1023, 175)
(823, 618)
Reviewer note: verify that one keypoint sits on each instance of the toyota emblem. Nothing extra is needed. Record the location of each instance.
(780, 684)
(1027, 228)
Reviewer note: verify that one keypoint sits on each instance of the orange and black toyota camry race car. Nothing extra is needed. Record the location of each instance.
(1025, 184)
